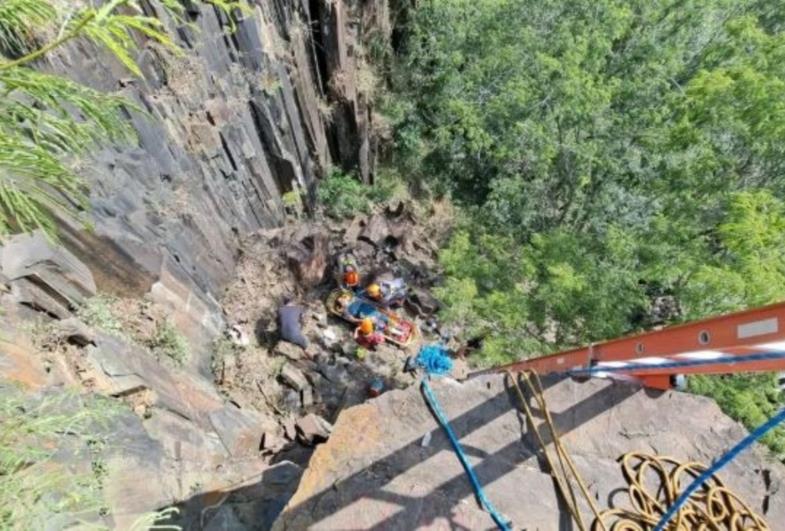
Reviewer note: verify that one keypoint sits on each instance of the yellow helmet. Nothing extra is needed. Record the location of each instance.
(375, 291)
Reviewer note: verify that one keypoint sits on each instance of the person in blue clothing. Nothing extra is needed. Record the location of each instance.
(355, 309)
(290, 318)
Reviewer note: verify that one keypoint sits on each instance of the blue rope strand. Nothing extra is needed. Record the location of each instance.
(500, 520)
(759, 432)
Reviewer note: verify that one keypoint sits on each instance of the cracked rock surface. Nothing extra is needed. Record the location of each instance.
(387, 465)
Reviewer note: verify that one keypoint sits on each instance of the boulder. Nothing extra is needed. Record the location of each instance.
(376, 230)
(35, 257)
(354, 230)
(241, 431)
(289, 428)
(272, 441)
(293, 377)
(148, 464)
(308, 260)
(421, 303)
(288, 350)
(34, 296)
(291, 400)
(75, 331)
(224, 519)
(307, 397)
(312, 429)
(122, 368)
(255, 505)
(334, 373)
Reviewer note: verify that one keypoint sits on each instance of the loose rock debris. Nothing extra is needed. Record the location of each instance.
(300, 263)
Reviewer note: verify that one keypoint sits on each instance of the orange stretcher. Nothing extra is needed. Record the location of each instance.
(352, 308)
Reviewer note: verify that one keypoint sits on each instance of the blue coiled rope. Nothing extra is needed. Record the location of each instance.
(435, 360)
(759, 432)
(502, 522)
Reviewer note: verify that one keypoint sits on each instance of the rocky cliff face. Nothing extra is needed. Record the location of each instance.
(230, 134)
(172, 438)
(251, 111)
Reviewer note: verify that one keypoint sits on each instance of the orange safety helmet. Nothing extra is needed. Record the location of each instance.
(375, 291)
(351, 278)
(366, 326)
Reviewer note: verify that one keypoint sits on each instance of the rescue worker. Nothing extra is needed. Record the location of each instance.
(349, 275)
(374, 292)
(351, 278)
(387, 292)
(290, 317)
(367, 336)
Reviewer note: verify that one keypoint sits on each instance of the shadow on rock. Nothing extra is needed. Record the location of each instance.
(253, 505)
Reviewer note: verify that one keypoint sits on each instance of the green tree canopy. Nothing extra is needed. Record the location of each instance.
(608, 155)
(605, 145)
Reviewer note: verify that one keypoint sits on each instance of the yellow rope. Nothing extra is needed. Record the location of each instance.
(566, 463)
(654, 483)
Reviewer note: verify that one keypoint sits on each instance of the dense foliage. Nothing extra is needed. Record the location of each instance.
(342, 195)
(620, 163)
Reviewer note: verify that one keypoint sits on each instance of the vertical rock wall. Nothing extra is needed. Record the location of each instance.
(242, 117)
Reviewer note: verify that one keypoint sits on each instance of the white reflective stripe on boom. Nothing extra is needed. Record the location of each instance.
(701, 355)
(778, 345)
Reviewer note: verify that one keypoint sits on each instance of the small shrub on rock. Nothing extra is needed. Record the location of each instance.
(169, 342)
(342, 195)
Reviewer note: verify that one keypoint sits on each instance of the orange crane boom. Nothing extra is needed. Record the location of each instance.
(747, 341)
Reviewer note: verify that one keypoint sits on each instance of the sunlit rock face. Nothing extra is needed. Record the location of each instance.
(388, 465)
(248, 113)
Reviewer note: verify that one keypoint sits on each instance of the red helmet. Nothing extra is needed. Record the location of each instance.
(351, 278)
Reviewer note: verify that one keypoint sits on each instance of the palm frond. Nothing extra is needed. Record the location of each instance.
(33, 183)
(47, 120)
(113, 32)
(96, 113)
(44, 121)
(18, 18)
